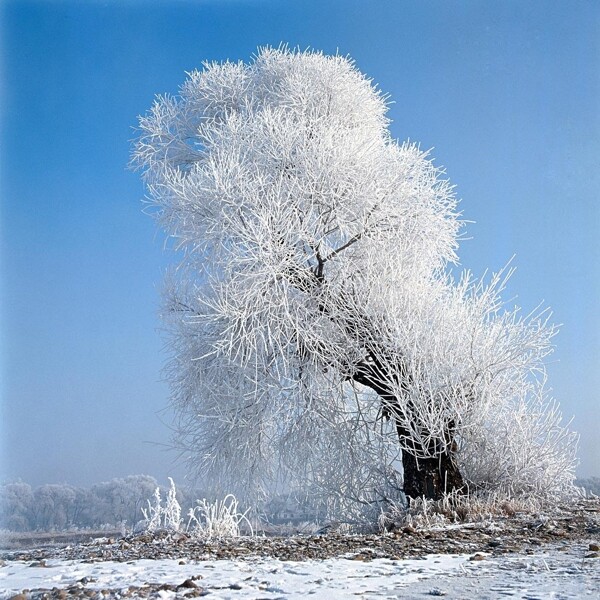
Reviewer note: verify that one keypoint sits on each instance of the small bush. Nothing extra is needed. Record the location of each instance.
(219, 519)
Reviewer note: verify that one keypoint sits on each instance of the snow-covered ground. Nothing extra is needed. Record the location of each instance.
(551, 573)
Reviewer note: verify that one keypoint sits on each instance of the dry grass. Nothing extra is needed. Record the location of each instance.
(219, 519)
(456, 508)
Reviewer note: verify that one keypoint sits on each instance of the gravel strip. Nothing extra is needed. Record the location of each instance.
(503, 535)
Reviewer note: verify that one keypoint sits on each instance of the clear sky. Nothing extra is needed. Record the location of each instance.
(507, 93)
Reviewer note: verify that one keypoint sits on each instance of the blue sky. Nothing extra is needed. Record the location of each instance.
(507, 95)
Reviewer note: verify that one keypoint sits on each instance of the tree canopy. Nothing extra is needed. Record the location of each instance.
(318, 338)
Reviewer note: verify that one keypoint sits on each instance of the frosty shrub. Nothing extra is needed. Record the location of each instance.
(219, 519)
(159, 517)
(319, 342)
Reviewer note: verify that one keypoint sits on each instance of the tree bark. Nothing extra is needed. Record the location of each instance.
(430, 477)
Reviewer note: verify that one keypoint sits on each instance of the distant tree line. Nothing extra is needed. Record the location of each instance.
(54, 507)
(590, 484)
(118, 503)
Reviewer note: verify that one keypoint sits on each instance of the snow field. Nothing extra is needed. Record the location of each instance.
(269, 578)
(554, 573)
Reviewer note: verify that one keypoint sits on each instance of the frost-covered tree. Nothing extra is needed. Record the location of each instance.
(16, 506)
(53, 506)
(318, 338)
(121, 499)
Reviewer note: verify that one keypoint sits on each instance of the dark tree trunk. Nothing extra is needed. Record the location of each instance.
(430, 477)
